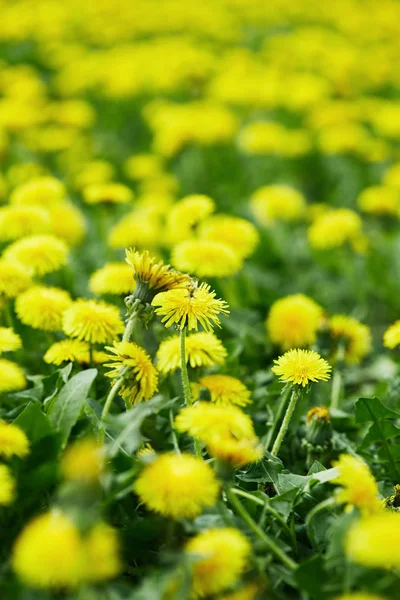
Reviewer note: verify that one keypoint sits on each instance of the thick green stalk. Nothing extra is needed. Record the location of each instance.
(279, 413)
(184, 372)
(269, 542)
(286, 419)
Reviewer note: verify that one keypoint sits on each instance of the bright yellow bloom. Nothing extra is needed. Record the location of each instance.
(12, 378)
(374, 541)
(293, 321)
(42, 191)
(301, 367)
(140, 376)
(157, 276)
(319, 413)
(236, 452)
(95, 171)
(391, 337)
(48, 553)
(20, 221)
(225, 553)
(114, 278)
(392, 176)
(356, 336)
(43, 307)
(39, 254)
(140, 227)
(202, 349)
(277, 203)
(359, 487)
(187, 307)
(67, 351)
(83, 461)
(239, 234)
(13, 441)
(206, 258)
(67, 223)
(14, 279)
(92, 321)
(177, 486)
(114, 193)
(102, 553)
(143, 166)
(205, 421)
(185, 215)
(7, 486)
(225, 389)
(335, 228)
(380, 200)
(9, 340)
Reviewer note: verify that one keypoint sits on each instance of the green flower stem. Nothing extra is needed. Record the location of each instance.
(279, 413)
(8, 314)
(106, 409)
(337, 378)
(273, 547)
(296, 392)
(184, 372)
(269, 508)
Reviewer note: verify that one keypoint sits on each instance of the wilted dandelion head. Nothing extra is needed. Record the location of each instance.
(177, 486)
(293, 321)
(206, 258)
(202, 349)
(43, 307)
(92, 321)
(301, 367)
(39, 254)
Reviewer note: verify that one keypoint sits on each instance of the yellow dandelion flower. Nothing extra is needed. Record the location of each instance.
(335, 228)
(39, 254)
(206, 258)
(67, 351)
(67, 223)
(185, 215)
(7, 486)
(114, 278)
(225, 554)
(92, 321)
(140, 376)
(153, 276)
(356, 335)
(359, 487)
(145, 451)
(207, 421)
(380, 200)
(359, 596)
(392, 176)
(43, 307)
(143, 166)
(277, 202)
(391, 337)
(48, 553)
(108, 192)
(319, 413)
(14, 279)
(187, 307)
(239, 234)
(41, 191)
(102, 553)
(13, 441)
(247, 592)
(12, 378)
(83, 461)
(95, 171)
(202, 349)
(293, 321)
(374, 541)
(21, 221)
(141, 227)
(9, 340)
(177, 486)
(235, 452)
(225, 389)
(301, 367)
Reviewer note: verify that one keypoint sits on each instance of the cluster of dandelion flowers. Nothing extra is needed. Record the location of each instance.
(187, 307)
(239, 234)
(83, 461)
(206, 258)
(374, 541)
(140, 378)
(67, 351)
(39, 254)
(202, 349)
(114, 278)
(9, 340)
(14, 279)
(391, 337)
(12, 378)
(355, 335)
(293, 321)
(43, 307)
(177, 486)
(51, 553)
(7, 486)
(224, 556)
(335, 228)
(225, 389)
(92, 321)
(13, 441)
(359, 487)
(301, 367)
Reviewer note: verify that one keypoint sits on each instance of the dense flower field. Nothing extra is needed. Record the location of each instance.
(199, 300)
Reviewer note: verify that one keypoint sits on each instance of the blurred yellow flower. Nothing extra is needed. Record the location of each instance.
(41, 191)
(293, 321)
(39, 254)
(239, 234)
(14, 279)
(203, 349)
(380, 200)
(373, 541)
(143, 166)
(12, 378)
(391, 337)
(225, 389)
(277, 203)
(9, 340)
(101, 553)
(13, 441)
(19, 221)
(83, 461)
(186, 215)
(67, 223)
(43, 307)
(355, 335)
(114, 278)
(67, 351)
(206, 258)
(334, 229)
(107, 192)
(358, 485)
(7, 486)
